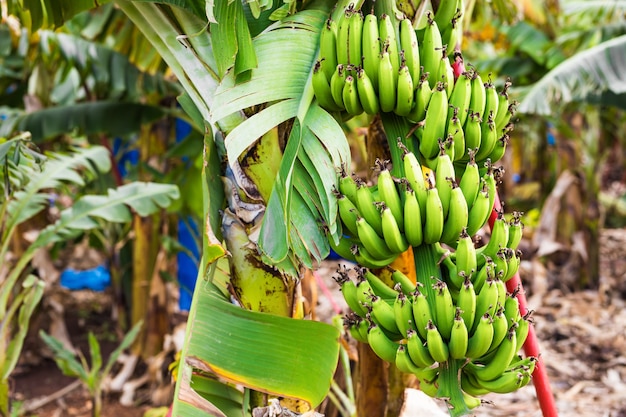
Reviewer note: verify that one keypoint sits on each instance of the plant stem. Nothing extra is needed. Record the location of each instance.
(450, 389)
(427, 270)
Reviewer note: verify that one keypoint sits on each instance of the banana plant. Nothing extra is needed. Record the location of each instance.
(26, 175)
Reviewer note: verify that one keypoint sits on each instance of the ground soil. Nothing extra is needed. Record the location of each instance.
(582, 336)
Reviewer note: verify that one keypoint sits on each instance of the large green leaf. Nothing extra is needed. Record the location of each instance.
(585, 77)
(273, 354)
(52, 13)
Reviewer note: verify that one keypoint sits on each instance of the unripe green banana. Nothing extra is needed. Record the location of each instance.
(410, 46)
(470, 386)
(452, 36)
(387, 85)
(444, 177)
(445, 74)
(478, 98)
(364, 294)
(500, 261)
(437, 348)
(321, 88)
(454, 129)
(343, 248)
(328, 48)
(472, 131)
(357, 329)
(434, 125)
(336, 85)
(470, 181)
(350, 97)
(404, 363)
(348, 214)
(403, 312)
(456, 220)
(383, 315)
(487, 299)
(367, 206)
(471, 401)
(513, 263)
(366, 259)
(367, 92)
(491, 100)
(415, 177)
(394, 238)
(516, 229)
(499, 149)
(381, 344)
(418, 352)
(444, 309)
(511, 309)
(466, 255)
(459, 337)
(492, 177)
(505, 383)
(378, 286)
(430, 50)
(404, 95)
(498, 239)
(429, 387)
(349, 291)
(388, 193)
(461, 96)
(355, 31)
(503, 106)
(445, 12)
(486, 271)
(347, 185)
(499, 362)
(433, 223)
(488, 137)
(407, 286)
(343, 31)
(421, 312)
(371, 241)
(480, 339)
(521, 331)
(500, 330)
(466, 301)
(413, 231)
(479, 213)
(421, 99)
(371, 48)
(502, 293)
(388, 35)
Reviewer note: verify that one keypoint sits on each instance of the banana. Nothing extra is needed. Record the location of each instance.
(500, 261)
(349, 291)
(444, 178)
(445, 12)
(355, 31)
(502, 293)
(357, 328)
(435, 122)
(347, 184)
(343, 31)
(321, 88)
(478, 97)
(371, 48)
(466, 301)
(507, 382)
(348, 214)
(503, 114)
(472, 131)
(437, 348)
(404, 95)
(406, 285)
(378, 286)
(328, 48)
(452, 36)
(470, 180)
(429, 387)
(454, 129)
(521, 331)
(417, 351)
(513, 263)
(500, 330)
(388, 192)
(499, 149)
(394, 238)
(471, 401)
(403, 362)
(479, 213)
(466, 255)
(364, 294)
(421, 312)
(387, 33)
(433, 223)
(415, 177)
(486, 272)
(403, 313)
(470, 386)
(498, 239)
(516, 229)
(381, 344)
(387, 84)
(461, 96)
(491, 100)
(383, 315)
(367, 207)
(492, 177)
(459, 337)
(421, 99)
(412, 218)
(444, 309)
(350, 97)
(367, 92)
(511, 309)
(430, 50)
(364, 258)
(480, 339)
(343, 248)
(456, 220)
(371, 241)
(445, 74)
(498, 363)
(487, 299)
(336, 85)
(488, 137)
(410, 46)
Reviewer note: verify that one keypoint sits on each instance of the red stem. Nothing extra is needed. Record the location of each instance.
(531, 346)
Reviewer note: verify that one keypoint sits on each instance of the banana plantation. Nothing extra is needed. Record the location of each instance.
(370, 208)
